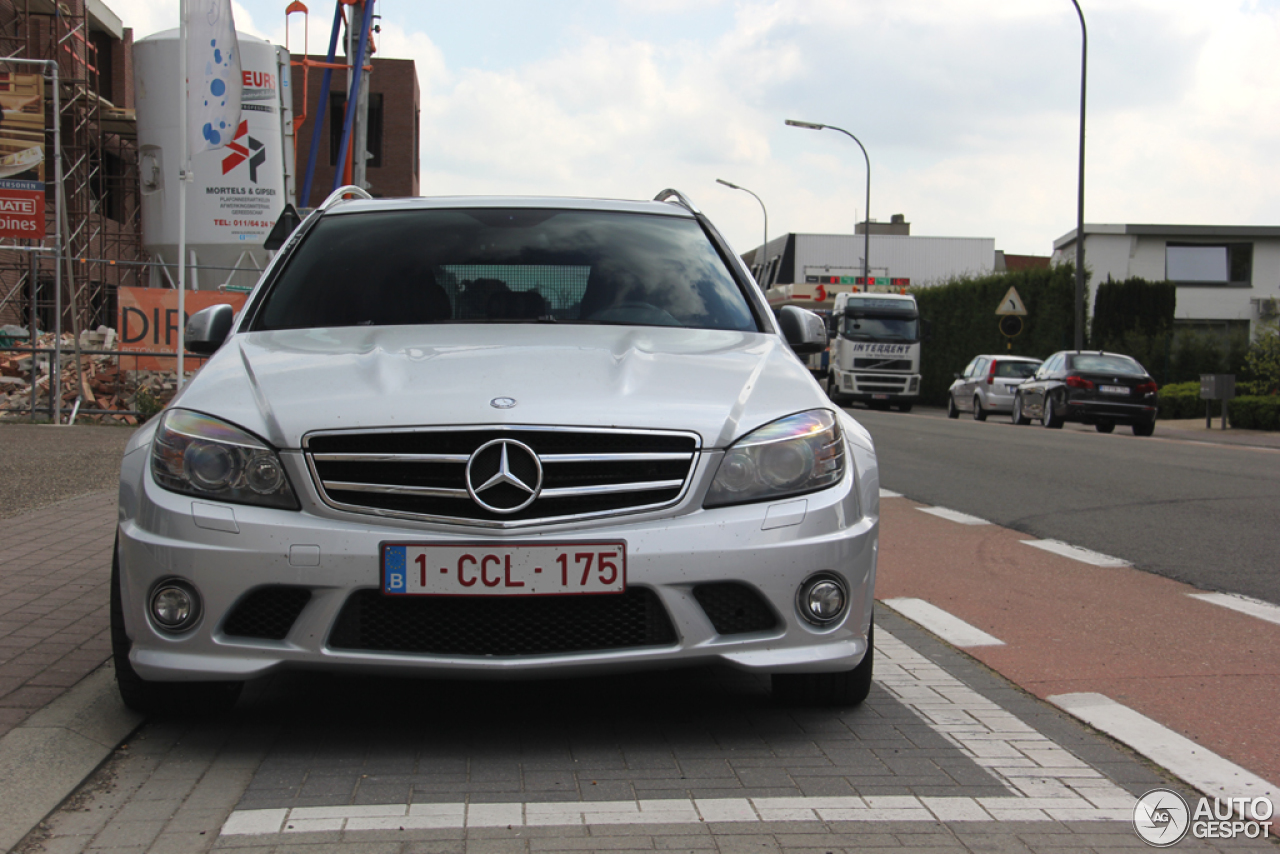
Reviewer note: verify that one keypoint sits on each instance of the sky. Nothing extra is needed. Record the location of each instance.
(968, 109)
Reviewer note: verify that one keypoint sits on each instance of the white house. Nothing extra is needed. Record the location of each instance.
(1227, 276)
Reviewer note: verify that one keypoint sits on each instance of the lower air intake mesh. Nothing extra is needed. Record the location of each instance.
(540, 625)
(735, 609)
(267, 613)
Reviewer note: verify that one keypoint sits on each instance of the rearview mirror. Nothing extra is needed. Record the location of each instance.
(208, 328)
(802, 329)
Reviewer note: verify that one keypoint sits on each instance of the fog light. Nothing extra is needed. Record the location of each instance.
(174, 606)
(822, 600)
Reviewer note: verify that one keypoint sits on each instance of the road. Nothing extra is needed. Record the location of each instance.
(947, 753)
(1199, 513)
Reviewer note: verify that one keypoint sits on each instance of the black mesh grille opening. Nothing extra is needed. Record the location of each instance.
(267, 613)
(501, 626)
(735, 609)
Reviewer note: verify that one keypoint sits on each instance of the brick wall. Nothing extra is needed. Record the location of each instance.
(397, 81)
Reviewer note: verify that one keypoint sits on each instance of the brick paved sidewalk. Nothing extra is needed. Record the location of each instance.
(55, 571)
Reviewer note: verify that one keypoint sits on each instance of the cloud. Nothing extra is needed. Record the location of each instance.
(968, 110)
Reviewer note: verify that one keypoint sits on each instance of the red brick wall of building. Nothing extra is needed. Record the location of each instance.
(397, 81)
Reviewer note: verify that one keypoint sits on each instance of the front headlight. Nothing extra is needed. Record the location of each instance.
(800, 453)
(199, 455)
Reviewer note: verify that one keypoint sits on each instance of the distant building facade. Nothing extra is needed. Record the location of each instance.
(1227, 277)
(393, 133)
(792, 258)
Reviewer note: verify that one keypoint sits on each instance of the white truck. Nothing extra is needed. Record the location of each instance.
(875, 350)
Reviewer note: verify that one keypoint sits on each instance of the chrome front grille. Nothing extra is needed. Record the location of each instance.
(422, 473)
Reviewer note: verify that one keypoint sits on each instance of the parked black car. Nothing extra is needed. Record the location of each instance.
(1092, 387)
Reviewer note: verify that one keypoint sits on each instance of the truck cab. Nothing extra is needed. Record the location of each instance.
(875, 350)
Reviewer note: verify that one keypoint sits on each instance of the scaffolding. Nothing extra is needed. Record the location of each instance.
(100, 199)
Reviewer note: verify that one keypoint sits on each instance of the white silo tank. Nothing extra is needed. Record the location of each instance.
(239, 191)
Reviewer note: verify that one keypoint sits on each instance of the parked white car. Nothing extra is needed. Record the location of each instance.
(987, 385)
(490, 437)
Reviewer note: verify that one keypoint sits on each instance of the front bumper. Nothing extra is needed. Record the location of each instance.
(895, 388)
(226, 551)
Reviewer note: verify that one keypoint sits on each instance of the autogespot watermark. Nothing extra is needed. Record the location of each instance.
(1162, 818)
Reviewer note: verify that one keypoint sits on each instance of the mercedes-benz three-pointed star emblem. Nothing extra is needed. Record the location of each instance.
(509, 475)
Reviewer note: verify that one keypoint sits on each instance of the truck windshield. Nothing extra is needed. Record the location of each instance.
(880, 327)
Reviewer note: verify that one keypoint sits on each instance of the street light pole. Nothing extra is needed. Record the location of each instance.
(1084, 57)
(866, 244)
(764, 247)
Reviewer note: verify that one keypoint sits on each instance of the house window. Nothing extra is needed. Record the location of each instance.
(1209, 264)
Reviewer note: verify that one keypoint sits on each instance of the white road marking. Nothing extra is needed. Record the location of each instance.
(945, 625)
(1244, 604)
(1076, 553)
(953, 516)
(1194, 763)
(1045, 782)
(886, 493)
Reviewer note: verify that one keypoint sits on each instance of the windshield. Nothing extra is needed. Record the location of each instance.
(1016, 369)
(390, 268)
(875, 327)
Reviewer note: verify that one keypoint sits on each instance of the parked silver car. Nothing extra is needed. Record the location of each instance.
(987, 385)
(498, 437)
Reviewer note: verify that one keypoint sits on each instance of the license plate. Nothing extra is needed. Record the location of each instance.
(879, 397)
(1113, 389)
(483, 569)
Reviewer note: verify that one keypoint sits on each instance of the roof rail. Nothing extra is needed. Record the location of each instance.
(341, 193)
(680, 198)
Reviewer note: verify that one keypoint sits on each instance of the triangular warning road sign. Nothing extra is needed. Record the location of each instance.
(1011, 304)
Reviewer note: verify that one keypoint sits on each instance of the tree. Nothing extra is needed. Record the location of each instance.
(1263, 358)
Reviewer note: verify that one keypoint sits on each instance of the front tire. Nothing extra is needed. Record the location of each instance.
(952, 412)
(848, 688)
(1051, 419)
(979, 414)
(1146, 429)
(905, 407)
(1105, 427)
(158, 697)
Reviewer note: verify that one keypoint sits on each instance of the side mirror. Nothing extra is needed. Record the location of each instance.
(208, 328)
(957, 376)
(802, 329)
(925, 332)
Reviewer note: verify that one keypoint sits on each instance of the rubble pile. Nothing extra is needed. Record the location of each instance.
(122, 393)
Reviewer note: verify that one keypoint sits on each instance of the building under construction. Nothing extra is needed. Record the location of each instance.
(96, 134)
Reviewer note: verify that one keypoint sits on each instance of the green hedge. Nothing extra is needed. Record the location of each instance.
(962, 322)
(1254, 412)
(1181, 400)
(1134, 305)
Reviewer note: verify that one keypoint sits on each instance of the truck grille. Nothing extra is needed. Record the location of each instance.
(491, 625)
(883, 364)
(518, 476)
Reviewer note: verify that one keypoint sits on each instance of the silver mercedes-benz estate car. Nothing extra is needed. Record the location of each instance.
(497, 437)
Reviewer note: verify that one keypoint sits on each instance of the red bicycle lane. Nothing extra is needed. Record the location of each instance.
(1202, 670)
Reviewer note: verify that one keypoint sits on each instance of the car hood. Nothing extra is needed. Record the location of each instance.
(283, 385)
